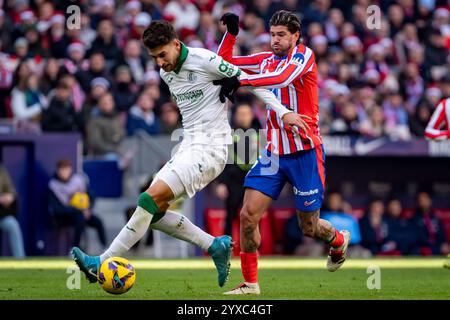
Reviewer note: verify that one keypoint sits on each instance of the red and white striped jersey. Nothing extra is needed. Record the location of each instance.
(293, 80)
(439, 126)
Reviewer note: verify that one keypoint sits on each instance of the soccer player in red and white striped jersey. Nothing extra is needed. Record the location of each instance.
(439, 126)
(290, 72)
(293, 79)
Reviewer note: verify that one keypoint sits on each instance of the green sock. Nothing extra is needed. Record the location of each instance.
(135, 228)
(147, 203)
(158, 216)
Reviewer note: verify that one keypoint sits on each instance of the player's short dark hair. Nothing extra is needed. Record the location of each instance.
(158, 33)
(288, 19)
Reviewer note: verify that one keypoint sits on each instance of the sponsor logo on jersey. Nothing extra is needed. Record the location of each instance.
(305, 193)
(226, 68)
(298, 58)
(190, 95)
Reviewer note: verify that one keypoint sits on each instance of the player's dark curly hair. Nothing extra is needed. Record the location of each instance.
(158, 33)
(288, 19)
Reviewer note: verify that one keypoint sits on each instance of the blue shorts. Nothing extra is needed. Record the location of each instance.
(304, 170)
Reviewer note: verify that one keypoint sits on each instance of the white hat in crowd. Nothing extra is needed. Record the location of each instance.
(142, 19)
(100, 81)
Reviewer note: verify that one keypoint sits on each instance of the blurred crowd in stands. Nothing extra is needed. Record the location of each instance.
(99, 80)
(385, 228)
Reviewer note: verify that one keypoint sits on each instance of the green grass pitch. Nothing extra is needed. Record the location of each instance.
(280, 278)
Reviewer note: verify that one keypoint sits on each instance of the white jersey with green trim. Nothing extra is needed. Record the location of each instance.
(191, 86)
(203, 153)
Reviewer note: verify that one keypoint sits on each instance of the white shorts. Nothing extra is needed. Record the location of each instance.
(192, 168)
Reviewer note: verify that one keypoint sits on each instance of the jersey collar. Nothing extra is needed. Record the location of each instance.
(285, 56)
(183, 55)
(280, 58)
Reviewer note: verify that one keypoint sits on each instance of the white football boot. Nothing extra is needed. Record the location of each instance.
(336, 256)
(245, 288)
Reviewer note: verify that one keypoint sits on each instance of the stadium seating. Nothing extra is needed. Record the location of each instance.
(273, 223)
(4, 245)
(59, 241)
(278, 219)
(105, 177)
(444, 216)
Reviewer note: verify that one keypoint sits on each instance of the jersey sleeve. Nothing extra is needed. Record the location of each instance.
(218, 67)
(250, 63)
(269, 99)
(298, 65)
(439, 119)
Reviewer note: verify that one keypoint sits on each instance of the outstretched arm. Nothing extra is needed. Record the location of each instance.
(298, 65)
(230, 84)
(269, 98)
(249, 63)
(291, 119)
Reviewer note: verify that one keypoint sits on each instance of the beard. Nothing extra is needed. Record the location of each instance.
(281, 51)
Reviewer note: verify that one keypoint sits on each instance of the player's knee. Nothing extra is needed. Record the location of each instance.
(245, 219)
(160, 199)
(248, 217)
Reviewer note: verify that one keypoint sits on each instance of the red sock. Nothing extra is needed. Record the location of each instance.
(338, 239)
(249, 266)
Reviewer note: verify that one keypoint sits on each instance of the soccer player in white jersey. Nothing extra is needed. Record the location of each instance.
(201, 157)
